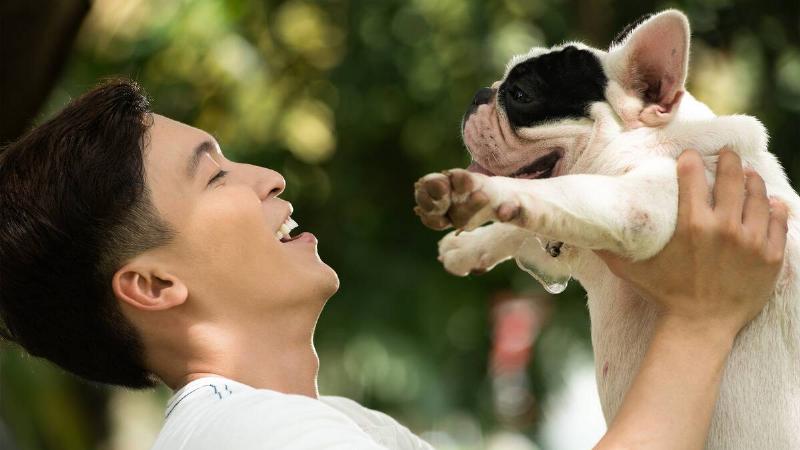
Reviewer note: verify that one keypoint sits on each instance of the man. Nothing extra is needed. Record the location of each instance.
(132, 252)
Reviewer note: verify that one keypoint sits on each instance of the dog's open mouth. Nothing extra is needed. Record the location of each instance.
(542, 167)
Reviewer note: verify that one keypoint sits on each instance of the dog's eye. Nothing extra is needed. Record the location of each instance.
(519, 95)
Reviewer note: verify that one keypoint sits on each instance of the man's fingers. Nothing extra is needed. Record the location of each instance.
(693, 193)
(755, 212)
(778, 227)
(729, 188)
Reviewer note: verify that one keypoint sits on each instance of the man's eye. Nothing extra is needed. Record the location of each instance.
(218, 176)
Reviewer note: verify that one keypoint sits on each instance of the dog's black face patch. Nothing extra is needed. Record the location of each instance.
(556, 85)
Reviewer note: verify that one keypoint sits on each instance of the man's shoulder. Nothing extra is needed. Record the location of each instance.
(358, 412)
(383, 428)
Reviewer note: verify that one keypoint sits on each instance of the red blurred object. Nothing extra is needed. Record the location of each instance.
(517, 321)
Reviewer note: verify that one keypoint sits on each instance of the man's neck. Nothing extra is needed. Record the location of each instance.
(276, 354)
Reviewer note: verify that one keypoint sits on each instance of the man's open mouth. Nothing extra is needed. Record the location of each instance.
(542, 167)
(283, 233)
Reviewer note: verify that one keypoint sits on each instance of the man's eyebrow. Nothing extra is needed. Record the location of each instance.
(194, 161)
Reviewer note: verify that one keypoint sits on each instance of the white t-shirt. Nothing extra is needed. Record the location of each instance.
(215, 413)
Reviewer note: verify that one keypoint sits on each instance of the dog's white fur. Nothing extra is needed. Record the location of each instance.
(617, 190)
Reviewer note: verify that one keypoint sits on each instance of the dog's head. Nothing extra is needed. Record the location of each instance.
(535, 121)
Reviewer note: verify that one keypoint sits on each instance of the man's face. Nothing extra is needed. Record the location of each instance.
(226, 250)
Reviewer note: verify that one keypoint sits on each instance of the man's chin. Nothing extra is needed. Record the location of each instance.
(327, 282)
(334, 280)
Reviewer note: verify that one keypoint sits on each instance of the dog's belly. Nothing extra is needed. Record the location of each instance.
(759, 401)
(622, 324)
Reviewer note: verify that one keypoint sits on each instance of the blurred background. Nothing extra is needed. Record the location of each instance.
(352, 101)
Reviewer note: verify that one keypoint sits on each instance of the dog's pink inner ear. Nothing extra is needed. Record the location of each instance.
(654, 64)
(657, 64)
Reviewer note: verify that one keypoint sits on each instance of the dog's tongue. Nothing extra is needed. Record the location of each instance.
(477, 168)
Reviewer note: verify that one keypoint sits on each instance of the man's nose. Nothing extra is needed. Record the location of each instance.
(271, 184)
(483, 96)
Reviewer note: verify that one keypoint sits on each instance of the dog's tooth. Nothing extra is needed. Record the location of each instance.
(284, 229)
(291, 223)
(279, 235)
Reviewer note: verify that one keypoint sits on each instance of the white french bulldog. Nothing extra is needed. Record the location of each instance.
(577, 146)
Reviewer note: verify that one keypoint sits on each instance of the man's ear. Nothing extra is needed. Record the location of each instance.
(647, 70)
(148, 288)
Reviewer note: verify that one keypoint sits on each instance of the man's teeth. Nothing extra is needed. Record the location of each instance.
(286, 228)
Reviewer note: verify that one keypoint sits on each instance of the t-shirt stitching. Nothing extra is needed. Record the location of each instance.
(216, 392)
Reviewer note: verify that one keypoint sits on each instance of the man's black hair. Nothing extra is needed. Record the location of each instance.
(74, 207)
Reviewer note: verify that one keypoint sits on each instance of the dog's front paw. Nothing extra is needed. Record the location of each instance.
(464, 253)
(461, 199)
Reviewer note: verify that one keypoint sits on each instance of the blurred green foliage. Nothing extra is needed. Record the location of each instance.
(353, 101)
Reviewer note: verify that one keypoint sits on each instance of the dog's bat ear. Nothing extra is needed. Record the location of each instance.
(647, 67)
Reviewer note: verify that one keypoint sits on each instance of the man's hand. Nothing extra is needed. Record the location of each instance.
(721, 264)
(713, 277)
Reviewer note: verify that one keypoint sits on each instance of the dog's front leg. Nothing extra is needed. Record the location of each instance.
(632, 214)
(480, 250)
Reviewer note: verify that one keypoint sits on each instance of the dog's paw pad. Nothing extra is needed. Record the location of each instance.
(436, 185)
(432, 221)
(454, 197)
(463, 181)
(461, 215)
(432, 195)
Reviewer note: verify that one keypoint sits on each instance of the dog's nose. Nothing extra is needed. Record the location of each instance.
(483, 96)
